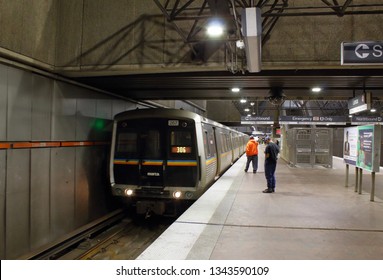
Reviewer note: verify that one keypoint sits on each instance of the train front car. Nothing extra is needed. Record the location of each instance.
(154, 159)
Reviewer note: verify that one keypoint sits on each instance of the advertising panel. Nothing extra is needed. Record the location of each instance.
(350, 148)
(368, 147)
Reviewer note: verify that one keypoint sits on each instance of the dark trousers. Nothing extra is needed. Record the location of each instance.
(270, 167)
(254, 161)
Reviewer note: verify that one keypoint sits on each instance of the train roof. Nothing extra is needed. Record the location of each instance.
(156, 113)
(168, 113)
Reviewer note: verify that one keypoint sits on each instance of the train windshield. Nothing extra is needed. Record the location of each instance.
(151, 144)
(181, 143)
(134, 144)
(127, 143)
(155, 152)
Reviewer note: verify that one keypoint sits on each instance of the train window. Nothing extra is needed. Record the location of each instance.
(181, 142)
(206, 144)
(151, 144)
(211, 144)
(223, 141)
(228, 142)
(180, 138)
(127, 143)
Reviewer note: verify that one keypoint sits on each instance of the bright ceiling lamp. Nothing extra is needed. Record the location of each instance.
(235, 89)
(243, 100)
(316, 89)
(215, 28)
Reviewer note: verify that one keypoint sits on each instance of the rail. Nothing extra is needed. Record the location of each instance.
(56, 248)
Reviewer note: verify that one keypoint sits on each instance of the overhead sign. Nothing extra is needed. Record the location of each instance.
(359, 53)
(320, 120)
(359, 120)
(360, 103)
(257, 120)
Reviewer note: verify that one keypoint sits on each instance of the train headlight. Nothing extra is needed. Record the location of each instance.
(177, 194)
(129, 192)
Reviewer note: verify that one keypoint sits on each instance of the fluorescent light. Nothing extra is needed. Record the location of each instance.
(373, 110)
(215, 29)
(243, 100)
(316, 89)
(247, 110)
(235, 89)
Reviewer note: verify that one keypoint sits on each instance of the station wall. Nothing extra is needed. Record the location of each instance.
(134, 36)
(54, 141)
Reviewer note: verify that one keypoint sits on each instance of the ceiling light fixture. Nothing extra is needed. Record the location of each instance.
(243, 100)
(215, 28)
(316, 89)
(373, 110)
(235, 89)
(240, 44)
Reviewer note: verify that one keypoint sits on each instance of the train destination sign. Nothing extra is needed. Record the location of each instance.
(357, 53)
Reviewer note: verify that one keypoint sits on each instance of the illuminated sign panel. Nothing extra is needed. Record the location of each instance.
(360, 103)
(181, 150)
(362, 147)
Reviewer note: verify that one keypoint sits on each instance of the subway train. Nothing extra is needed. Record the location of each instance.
(162, 158)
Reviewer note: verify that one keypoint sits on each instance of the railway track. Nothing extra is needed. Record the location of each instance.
(112, 237)
(125, 241)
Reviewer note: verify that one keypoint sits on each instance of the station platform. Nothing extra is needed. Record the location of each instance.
(311, 216)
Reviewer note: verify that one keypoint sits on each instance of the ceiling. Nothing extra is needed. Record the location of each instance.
(296, 84)
(338, 85)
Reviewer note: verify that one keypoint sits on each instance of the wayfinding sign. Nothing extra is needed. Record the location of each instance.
(311, 120)
(360, 103)
(257, 120)
(359, 53)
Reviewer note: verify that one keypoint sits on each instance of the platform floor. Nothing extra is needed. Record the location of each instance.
(311, 216)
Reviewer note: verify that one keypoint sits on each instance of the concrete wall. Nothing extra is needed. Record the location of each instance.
(120, 35)
(315, 41)
(133, 36)
(222, 111)
(46, 192)
(29, 30)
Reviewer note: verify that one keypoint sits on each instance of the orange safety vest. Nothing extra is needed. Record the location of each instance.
(252, 148)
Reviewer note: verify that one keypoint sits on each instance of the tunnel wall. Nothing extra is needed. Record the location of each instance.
(54, 141)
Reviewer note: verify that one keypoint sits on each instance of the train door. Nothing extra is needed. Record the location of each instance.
(218, 148)
(152, 157)
(182, 162)
(139, 153)
(210, 153)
